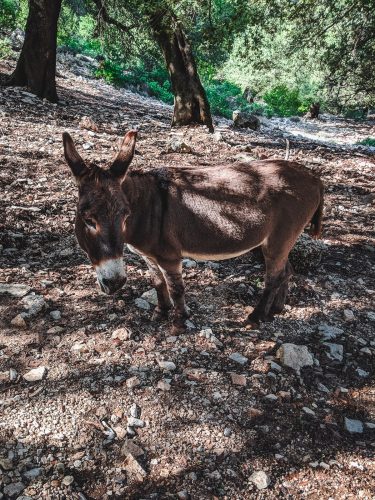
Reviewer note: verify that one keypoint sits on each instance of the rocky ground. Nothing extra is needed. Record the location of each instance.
(98, 402)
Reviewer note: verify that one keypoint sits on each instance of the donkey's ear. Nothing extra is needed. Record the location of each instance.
(73, 158)
(125, 155)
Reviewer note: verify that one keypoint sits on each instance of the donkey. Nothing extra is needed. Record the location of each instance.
(203, 212)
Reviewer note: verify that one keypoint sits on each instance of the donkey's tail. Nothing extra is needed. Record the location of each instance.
(316, 221)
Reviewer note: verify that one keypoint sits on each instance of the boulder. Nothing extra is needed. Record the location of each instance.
(241, 119)
(295, 356)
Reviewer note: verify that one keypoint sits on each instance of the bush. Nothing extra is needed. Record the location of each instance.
(224, 97)
(283, 101)
(369, 141)
(8, 13)
(5, 49)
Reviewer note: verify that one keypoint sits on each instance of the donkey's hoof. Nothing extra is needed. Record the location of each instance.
(159, 314)
(178, 328)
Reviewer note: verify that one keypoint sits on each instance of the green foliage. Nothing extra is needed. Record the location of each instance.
(8, 13)
(369, 141)
(284, 101)
(5, 49)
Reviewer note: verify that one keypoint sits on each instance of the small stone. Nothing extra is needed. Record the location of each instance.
(260, 479)
(33, 473)
(14, 289)
(13, 375)
(183, 495)
(33, 304)
(135, 410)
(322, 388)
(142, 304)
(55, 315)
(150, 296)
(36, 374)
(308, 411)
(362, 373)
(130, 447)
(336, 351)
(67, 480)
(238, 379)
(121, 334)
(163, 385)
(132, 382)
(133, 467)
(13, 490)
(79, 347)
(189, 264)
(272, 398)
(295, 356)
(167, 365)
(120, 431)
(238, 358)
(19, 321)
(371, 316)
(349, 315)
(176, 145)
(6, 464)
(227, 431)
(329, 332)
(366, 350)
(135, 422)
(370, 425)
(323, 465)
(275, 367)
(353, 426)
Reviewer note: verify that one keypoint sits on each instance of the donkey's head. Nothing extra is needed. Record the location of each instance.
(102, 211)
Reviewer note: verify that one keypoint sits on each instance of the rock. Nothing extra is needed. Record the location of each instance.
(336, 351)
(88, 123)
(13, 490)
(135, 422)
(227, 432)
(121, 334)
(55, 315)
(271, 398)
(322, 388)
(67, 480)
(120, 431)
(308, 411)
(241, 119)
(79, 347)
(19, 321)
(329, 332)
(371, 316)
(142, 304)
(238, 358)
(14, 289)
(349, 315)
(130, 448)
(6, 464)
(33, 473)
(167, 365)
(295, 356)
(307, 254)
(353, 426)
(13, 375)
(275, 367)
(135, 410)
(133, 467)
(176, 145)
(17, 38)
(260, 479)
(183, 495)
(163, 385)
(132, 382)
(33, 304)
(150, 296)
(362, 373)
(36, 374)
(370, 425)
(189, 263)
(238, 379)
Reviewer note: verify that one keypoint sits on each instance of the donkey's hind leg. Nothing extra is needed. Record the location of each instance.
(279, 301)
(276, 281)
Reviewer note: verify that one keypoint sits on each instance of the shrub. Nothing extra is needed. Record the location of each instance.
(284, 101)
(369, 141)
(8, 13)
(5, 49)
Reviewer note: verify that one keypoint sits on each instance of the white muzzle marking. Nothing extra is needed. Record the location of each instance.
(111, 269)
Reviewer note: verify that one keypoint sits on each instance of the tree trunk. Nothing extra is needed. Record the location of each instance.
(36, 66)
(190, 100)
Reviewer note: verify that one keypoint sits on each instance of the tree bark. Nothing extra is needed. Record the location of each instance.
(36, 66)
(190, 100)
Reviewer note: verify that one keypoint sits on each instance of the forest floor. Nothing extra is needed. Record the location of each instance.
(208, 422)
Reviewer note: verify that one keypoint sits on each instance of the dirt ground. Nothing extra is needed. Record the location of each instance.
(206, 422)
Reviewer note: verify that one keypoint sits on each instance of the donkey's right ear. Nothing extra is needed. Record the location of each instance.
(73, 158)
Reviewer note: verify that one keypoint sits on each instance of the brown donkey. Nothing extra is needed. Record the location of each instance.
(211, 213)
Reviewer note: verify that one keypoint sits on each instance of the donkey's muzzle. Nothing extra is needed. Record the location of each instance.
(111, 275)
(110, 286)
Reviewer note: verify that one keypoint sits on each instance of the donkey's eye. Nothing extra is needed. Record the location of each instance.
(90, 223)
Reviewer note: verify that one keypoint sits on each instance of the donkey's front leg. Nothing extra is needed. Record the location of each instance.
(164, 300)
(172, 271)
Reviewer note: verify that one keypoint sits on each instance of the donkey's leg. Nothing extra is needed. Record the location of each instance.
(276, 277)
(172, 271)
(164, 300)
(279, 301)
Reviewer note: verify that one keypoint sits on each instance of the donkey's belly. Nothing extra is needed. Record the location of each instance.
(215, 256)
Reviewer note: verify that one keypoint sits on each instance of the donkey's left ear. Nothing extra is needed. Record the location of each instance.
(122, 161)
